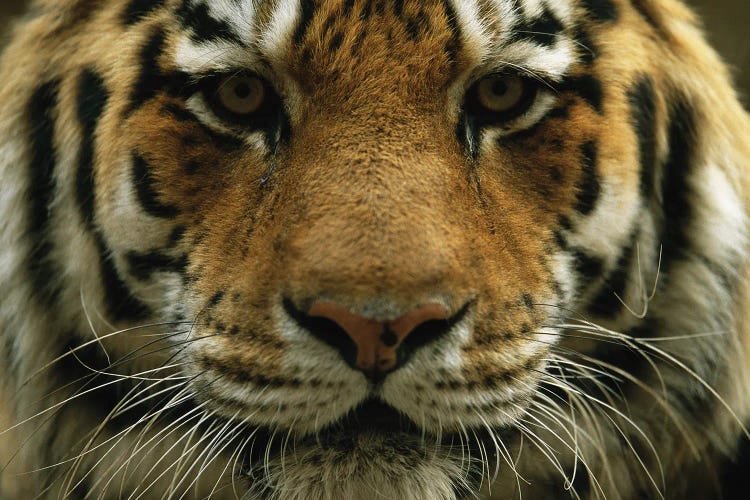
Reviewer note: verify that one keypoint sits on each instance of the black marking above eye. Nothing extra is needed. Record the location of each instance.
(308, 9)
(454, 45)
(204, 27)
(543, 30)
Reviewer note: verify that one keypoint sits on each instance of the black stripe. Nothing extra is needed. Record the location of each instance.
(646, 12)
(224, 141)
(146, 190)
(41, 109)
(121, 304)
(601, 10)
(178, 233)
(398, 7)
(454, 45)
(417, 25)
(305, 18)
(675, 188)
(589, 188)
(366, 10)
(589, 52)
(151, 80)
(581, 482)
(330, 22)
(543, 30)
(335, 43)
(137, 10)
(92, 100)
(179, 113)
(216, 299)
(560, 240)
(143, 266)
(93, 97)
(380, 7)
(643, 115)
(606, 303)
(203, 26)
(348, 6)
(735, 480)
(588, 87)
(623, 357)
(587, 266)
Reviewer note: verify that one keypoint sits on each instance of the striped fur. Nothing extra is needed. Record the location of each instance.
(155, 256)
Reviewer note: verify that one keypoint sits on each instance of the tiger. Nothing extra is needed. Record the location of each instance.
(365, 249)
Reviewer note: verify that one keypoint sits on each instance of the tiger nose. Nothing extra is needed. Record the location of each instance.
(373, 347)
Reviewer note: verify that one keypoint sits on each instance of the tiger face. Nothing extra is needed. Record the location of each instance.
(355, 248)
(370, 197)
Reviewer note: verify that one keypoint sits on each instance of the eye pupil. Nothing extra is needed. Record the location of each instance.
(242, 90)
(500, 87)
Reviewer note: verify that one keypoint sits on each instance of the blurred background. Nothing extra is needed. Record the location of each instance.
(727, 23)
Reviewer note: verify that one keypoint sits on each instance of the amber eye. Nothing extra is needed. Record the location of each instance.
(503, 93)
(241, 95)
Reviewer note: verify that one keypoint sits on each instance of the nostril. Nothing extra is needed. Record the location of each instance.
(326, 330)
(371, 346)
(433, 330)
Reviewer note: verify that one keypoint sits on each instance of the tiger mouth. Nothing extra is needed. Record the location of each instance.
(372, 416)
(380, 425)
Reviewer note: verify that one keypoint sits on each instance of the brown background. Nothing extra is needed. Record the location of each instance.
(727, 21)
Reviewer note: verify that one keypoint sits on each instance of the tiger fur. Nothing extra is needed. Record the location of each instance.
(161, 253)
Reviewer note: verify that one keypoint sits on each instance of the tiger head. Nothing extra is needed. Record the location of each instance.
(390, 240)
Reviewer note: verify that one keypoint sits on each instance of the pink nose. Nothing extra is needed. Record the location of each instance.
(377, 342)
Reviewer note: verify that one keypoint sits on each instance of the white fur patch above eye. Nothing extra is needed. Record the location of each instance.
(552, 62)
(474, 34)
(275, 39)
(215, 56)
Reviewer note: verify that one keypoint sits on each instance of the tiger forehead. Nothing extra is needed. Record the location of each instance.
(362, 38)
(399, 42)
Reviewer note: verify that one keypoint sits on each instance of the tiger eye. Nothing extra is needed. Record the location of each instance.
(502, 93)
(241, 95)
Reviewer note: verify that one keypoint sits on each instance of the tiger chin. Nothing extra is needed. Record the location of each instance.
(336, 249)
